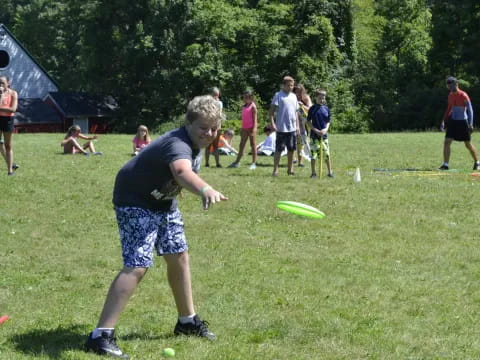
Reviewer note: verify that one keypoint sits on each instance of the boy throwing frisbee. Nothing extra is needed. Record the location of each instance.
(149, 219)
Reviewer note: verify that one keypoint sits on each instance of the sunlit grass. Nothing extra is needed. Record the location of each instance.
(391, 272)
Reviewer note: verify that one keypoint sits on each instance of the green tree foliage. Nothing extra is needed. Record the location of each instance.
(402, 61)
(376, 58)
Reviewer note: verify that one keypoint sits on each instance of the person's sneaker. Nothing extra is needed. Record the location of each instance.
(15, 166)
(443, 167)
(233, 165)
(219, 165)
(197, 328)
(313, 176)
(11, 173)
(207, 165)
(253, 166)
(106, 344)
(330, 175)
(476, 166)
(98, 153)
(301, 165)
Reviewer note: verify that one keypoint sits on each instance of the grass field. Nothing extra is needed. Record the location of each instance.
(391, 272)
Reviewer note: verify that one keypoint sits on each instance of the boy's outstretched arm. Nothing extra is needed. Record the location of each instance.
(188, 179)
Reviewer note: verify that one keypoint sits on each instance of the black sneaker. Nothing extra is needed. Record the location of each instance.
(476, 166)
(330, 175)
(105, 345)
(443, 167)
(313, 176)
(197, 328)
(15, 166)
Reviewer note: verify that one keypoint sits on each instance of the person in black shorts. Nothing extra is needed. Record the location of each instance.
(8, 106)
(458, 122)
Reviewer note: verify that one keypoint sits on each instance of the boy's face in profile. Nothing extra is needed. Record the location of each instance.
(288, 86)
(202, 132)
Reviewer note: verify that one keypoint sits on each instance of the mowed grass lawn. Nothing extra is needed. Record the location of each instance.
(391, 272)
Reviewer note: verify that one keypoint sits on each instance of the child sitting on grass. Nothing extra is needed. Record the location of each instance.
(141, 139)
(71, 146)
(220, 146)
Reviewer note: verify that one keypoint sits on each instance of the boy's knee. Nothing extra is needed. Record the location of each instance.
(138, 272)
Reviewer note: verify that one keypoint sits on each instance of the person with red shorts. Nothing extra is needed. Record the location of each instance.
(458, 122)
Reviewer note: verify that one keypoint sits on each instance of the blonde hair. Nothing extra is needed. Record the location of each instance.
(72, 129)
(215, 91)
(204, 107)
(146, 137)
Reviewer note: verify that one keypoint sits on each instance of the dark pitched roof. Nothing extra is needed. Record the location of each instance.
(73, 104)
(35, 111)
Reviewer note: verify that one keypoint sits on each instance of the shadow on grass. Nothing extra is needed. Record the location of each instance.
(53, 342)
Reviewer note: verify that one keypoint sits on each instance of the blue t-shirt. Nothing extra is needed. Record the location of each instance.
(319, 115)
(146, 181)
(287, 106)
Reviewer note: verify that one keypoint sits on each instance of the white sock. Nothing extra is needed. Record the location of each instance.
(98, 332)
(445, 163)
(186, 319)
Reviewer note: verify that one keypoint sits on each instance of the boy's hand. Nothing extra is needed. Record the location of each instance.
(211, 196)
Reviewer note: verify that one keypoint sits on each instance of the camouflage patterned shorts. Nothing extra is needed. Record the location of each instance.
(142, 231)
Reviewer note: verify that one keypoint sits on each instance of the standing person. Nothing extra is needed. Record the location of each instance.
(458, 120)
(215, 93)
(141, 139)
(304, 104)
(319, 122)
(285, 105)
(149, 219)
(8, 106)
(249, 129)
(71, 145)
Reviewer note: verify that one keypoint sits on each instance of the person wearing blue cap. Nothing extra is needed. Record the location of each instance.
(458, 122)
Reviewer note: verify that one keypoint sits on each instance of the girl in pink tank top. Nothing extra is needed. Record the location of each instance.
(249, 130)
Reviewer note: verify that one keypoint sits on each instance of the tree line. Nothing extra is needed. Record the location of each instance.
(383, 62)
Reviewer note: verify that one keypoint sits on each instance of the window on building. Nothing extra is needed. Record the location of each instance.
(4, 59)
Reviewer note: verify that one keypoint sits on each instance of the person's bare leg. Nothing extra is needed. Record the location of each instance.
(216, 154)
(312, 165)
(276, 162)
(290, 154)
(2, 150)
(207, 157)
(253, 145)
(329, 165)
(472, 149)
(241, 149)
(178, 273)
(118, 295)
(72, 144)
(7, 137)
(89, 145)
(446, 150)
